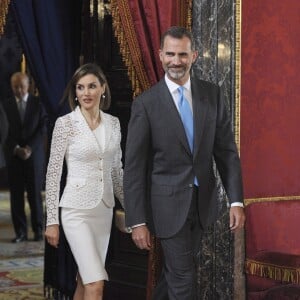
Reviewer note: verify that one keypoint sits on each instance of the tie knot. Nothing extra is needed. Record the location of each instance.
(180, 90)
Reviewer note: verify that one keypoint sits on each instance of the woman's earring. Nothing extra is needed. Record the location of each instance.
(103, 96)
(76, 99)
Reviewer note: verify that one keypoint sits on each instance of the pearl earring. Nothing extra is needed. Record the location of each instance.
(103, 96)
(76, 99)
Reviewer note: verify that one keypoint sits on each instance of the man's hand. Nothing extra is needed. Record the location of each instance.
(28, 151)
(141, 237)
(52, 235)
(23, 152)
(237, 218)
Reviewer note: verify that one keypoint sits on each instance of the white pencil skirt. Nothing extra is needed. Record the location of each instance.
(87, 232)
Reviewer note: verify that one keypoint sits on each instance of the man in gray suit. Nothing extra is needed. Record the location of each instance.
(176, 129)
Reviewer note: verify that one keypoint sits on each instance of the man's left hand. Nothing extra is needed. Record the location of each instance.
(28, 152)
(237, 218)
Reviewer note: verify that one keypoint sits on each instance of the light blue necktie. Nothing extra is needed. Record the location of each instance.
(187, 120)
(186, 117)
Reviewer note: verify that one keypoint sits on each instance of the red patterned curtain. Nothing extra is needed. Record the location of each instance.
(138, 27)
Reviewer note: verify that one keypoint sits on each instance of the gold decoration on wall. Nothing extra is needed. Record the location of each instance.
(186, 13)
(271, 199)
(276, 272)
(238, 42)
(4, 4)
(23, 64)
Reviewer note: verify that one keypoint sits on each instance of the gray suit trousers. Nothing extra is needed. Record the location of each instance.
(178, 278)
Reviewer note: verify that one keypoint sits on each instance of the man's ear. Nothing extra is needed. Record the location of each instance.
(195, 55)
(160, 52)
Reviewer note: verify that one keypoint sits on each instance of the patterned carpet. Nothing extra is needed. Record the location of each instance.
(21, 265)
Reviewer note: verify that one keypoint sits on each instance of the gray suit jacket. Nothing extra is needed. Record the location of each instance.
(160, 168)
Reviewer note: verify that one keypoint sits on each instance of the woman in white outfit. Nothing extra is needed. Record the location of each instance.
(89, 141)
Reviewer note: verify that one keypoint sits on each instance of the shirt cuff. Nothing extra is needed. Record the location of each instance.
(138, 225)
(129, 229)
(240, 204)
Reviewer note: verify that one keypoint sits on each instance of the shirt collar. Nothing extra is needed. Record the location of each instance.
(172, 86)
(25, 98)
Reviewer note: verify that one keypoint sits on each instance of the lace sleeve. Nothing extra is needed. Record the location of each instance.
(54, 170)
(117, 169)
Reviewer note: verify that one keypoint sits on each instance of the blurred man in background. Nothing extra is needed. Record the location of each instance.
(25, 156)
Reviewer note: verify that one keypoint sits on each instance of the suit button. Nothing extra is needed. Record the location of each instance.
(191, 185)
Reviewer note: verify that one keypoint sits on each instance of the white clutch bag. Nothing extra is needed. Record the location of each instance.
(120, 220)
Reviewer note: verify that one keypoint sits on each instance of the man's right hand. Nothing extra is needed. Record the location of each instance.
(23, 153)
(141, 237)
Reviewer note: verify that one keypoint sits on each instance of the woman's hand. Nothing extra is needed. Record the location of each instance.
(52, 235)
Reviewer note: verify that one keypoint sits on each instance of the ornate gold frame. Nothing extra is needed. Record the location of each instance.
(238, 26)
(271, 199)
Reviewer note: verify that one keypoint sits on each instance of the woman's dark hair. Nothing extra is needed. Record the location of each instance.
(90, 68)
(177, 32)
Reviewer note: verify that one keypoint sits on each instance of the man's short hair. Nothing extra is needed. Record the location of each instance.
(177, 32)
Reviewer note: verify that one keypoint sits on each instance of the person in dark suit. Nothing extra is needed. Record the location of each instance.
(3, 134)
(25, 156)
(177, 128)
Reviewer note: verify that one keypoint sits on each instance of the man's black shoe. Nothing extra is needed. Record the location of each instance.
(19, 239)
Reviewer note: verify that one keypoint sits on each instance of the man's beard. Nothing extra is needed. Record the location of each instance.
(178, 74)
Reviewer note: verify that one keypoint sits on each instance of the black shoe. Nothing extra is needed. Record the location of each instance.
(19, 238)
(38, 237)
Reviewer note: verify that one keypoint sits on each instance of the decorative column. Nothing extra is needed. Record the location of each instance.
(221, 257)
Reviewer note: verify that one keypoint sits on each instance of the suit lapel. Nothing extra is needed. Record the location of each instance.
(107, 129)
(200, 102)
(173, 115)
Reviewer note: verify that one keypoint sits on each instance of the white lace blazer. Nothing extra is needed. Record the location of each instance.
(93, 174)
